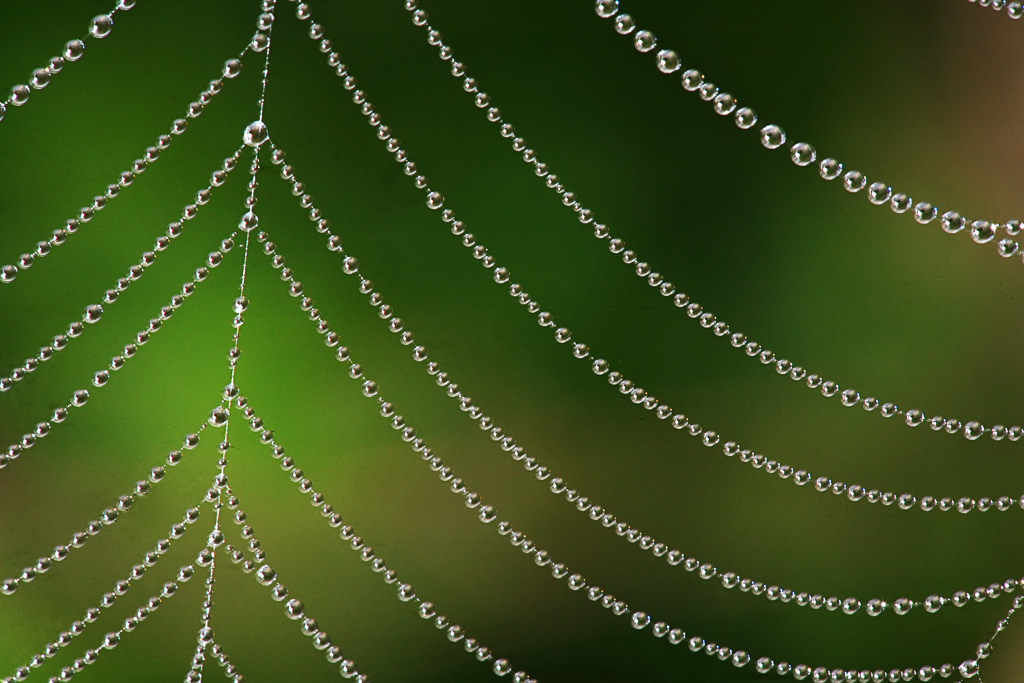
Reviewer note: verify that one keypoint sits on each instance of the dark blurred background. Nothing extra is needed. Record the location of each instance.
(923, 95)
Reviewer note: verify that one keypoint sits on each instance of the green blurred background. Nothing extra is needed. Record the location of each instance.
(925, 95)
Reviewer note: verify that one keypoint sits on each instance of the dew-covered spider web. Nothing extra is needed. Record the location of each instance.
(458, 341)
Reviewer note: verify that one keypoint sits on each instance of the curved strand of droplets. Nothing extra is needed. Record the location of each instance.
(107, 600)
(405, 591)
(100, 378)
(1014, 10)
(559, 487)
(231, 69)
(803, 154)
(295, 610)
(107, 518)
(94, 312)
(986, 648)
(487, 514)
(205, 636)
(230, 670)
(639, 396)
(849, 397)
(99, 27)
(114, 638)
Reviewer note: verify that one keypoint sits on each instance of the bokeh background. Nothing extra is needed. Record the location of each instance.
(923, 95)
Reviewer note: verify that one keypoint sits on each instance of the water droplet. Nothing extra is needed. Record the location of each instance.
(294, 609)
(875, 607)
(952, 222)
(624, 24)
(435, 200)
(802, 154)
(925, 213)
(80, 398)
(74, 50)
(606, 8)
(772, 136)
(829, 169)
(219, 416)
(969, 668)
(854, 181)
(644, 41)
(640, 620)
(255, 134)
(19, 95)
(232, 68)
(40, 78)
(724, 104)
(667, 61)
(982, 231)
(8, 273)
(100, 26)
(933, 603)
(879, 193)
(93, 313)
(900, 203)
(249, 222)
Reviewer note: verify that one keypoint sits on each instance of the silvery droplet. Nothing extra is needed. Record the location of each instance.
(925, 213)
(100, 26)
(624, 24)
(74, 50)
(724, 104)
(879, 193)
(772, 136)
(854, 181)
(667, 61)
(93, 313)
(255, 134)
(952, 222)
(644, 41)
(802, 154)
(249, 222)
(606, 8)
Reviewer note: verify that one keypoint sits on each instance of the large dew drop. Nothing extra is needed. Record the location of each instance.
(255, 134)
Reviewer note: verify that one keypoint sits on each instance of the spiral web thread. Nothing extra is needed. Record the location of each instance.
(236, 403)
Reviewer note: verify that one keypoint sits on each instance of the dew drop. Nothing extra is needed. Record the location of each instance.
(19, 95)
(73, 50)
(724, 104)
(854, 181)
(802, 154)
(644, 41)
(606, 8)
(255, 134)
(667, 61)
(982, 231)
(952, 222)
(925, 213)
(624, 24)
(232, 68)
(92, 313)
(100, 26)
(772, 136)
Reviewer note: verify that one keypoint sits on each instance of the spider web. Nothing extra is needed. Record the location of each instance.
(722, 218)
